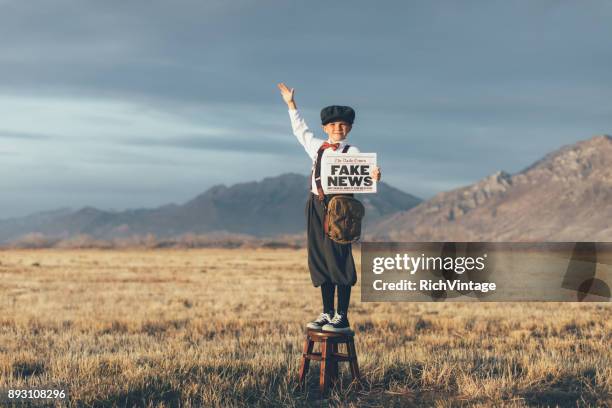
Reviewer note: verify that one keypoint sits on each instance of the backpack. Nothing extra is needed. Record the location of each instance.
(343, 215)
(343, 212)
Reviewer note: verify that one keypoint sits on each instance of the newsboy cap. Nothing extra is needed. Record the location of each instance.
(337, 113)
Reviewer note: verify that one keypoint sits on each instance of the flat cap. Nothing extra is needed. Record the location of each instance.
(337, 113)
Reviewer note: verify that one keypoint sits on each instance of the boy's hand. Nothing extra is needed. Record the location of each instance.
(376, 173)
(287, 94)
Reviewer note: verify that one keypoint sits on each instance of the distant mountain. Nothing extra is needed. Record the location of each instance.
(565, 196)
(269, 207)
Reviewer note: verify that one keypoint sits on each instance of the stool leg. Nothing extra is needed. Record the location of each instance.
(333, 364)
(324, 375)
(352, 353)
(308, 345)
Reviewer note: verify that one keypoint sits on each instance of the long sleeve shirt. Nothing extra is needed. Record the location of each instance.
(311, 144)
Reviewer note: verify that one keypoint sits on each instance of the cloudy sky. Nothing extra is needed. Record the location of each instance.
(121, 104)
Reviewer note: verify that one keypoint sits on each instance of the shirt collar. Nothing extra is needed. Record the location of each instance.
(341, 143)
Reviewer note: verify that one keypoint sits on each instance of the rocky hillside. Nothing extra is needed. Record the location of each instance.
(565, 196)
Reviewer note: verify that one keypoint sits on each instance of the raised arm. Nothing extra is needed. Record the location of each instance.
(301, 131)
(287, 94)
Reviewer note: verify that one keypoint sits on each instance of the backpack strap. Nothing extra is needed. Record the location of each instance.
(317, 171)
(317, 174)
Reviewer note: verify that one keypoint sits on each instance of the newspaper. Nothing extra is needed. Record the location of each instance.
(348, 173)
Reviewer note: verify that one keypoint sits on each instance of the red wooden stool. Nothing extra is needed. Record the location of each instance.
(329, 356)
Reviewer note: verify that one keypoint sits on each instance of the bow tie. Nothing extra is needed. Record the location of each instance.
(333, 146)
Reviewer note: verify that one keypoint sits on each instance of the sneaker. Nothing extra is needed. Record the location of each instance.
(339, 324)
(321, 321)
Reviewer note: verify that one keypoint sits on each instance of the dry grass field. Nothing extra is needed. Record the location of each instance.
(212, 327)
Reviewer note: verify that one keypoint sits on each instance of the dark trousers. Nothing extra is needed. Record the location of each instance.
(328, 261)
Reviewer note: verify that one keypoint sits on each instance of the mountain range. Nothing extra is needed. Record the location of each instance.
(264, 208)
(565, 196)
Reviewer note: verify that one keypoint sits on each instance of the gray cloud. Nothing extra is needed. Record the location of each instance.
(231, 144)
(7, 134)
(196, 51)
(445, 92)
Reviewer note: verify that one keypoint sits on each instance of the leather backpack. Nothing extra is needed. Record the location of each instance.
(343, 215)
(343, 212)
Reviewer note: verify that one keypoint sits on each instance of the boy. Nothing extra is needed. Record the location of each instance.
(331, 264)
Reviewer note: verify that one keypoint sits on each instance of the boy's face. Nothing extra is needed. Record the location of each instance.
(337, 131)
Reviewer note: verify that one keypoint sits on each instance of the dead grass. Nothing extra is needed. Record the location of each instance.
(213, 327)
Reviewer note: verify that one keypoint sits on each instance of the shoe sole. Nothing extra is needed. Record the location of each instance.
(313, 327)
(334, 330)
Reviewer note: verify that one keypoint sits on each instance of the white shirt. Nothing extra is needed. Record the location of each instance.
(311, 143)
